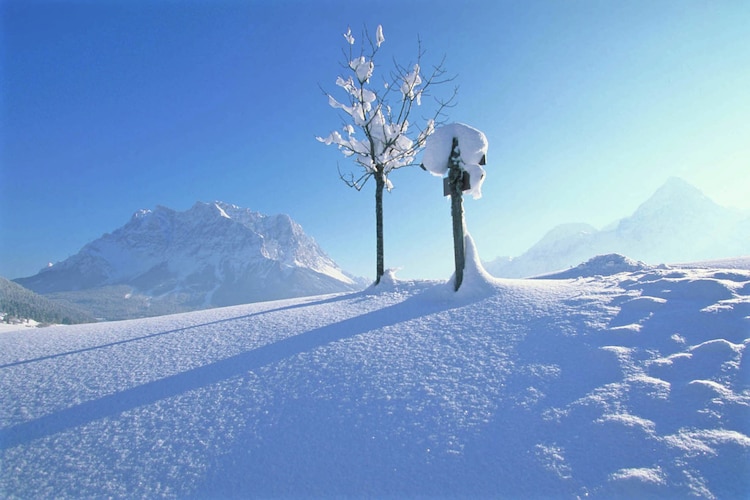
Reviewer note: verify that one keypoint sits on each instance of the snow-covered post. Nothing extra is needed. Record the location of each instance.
(460, 151)
(455, 190)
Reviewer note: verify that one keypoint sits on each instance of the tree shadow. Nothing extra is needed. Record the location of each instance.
(315, 447)
(218, 371)
(179, 330)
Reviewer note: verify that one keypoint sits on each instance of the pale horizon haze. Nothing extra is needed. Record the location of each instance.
(588, 107)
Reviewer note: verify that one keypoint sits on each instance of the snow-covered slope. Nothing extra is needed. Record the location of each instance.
(625, 384)
(213, 254)
(17, 304)
(677, 224)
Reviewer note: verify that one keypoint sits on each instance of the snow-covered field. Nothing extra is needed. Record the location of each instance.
(10, 327)
(612, 383)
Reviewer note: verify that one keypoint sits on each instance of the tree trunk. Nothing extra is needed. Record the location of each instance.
(379, 186)
(455, 180)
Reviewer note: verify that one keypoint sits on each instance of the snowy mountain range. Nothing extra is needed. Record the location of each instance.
(214, 254)
(677, 224)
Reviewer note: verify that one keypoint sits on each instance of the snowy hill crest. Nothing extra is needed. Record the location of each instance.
(213, 254)
(625, 382)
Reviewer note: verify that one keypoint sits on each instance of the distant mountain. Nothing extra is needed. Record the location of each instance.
(214, 254)
(678, 223)
(18, 303)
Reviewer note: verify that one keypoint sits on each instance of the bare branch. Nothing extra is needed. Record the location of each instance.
(357, 184)
(382, 115)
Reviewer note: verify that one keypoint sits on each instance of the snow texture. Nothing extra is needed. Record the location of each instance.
(472, 145)
(631, 383)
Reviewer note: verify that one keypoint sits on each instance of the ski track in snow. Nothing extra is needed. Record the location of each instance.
(630, 384)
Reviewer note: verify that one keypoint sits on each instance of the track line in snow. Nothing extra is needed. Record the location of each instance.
(174, 331)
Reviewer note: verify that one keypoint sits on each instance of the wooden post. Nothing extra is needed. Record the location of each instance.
(456, 181)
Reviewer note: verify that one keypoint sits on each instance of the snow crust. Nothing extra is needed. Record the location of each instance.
(627, 384)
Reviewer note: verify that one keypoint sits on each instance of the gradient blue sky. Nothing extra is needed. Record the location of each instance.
(589, 106)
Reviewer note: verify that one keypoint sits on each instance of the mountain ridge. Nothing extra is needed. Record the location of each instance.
(213, 254)
(678, 223)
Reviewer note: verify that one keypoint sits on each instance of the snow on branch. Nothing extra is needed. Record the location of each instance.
(376, 132)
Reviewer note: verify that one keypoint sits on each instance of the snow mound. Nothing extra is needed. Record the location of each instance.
(476, 280)
(390, 283)
(601, 265)
(389, 279)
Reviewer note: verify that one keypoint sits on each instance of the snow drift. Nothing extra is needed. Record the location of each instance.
(613, 383)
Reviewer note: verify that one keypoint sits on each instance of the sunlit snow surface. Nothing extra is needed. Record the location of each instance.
(626, 384)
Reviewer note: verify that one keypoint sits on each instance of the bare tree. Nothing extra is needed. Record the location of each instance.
(380, 114)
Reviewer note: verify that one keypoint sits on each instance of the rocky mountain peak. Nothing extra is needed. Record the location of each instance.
(209, 255)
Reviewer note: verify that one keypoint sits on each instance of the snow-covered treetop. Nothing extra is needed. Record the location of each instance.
(376, 132)
(472, 149)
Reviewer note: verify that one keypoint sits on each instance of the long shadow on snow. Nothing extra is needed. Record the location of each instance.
(178, 330)
(318, 447)
(202, 376)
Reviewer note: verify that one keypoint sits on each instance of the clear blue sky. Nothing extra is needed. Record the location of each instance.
(588, 106)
